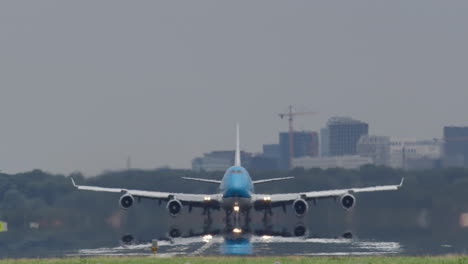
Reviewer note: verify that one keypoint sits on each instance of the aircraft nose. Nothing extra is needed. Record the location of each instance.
(237, 187)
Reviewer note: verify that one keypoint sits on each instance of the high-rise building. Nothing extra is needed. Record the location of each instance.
(305, 143)
(375, 147)
(344, 134)
(456, 146)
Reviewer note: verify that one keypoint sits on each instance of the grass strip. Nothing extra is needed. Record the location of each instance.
(449, 259)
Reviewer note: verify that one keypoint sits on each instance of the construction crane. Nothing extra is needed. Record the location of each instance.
(290, 115)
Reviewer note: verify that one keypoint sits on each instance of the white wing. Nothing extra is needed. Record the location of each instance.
(202, 180)
(183, 197)
(289, 197)
(271, 180)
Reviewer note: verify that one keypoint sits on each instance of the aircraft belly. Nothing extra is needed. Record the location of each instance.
(243, 202)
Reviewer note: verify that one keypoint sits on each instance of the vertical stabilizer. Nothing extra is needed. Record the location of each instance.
(237, 159)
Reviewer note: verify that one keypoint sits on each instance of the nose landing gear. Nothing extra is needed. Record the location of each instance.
(237, 217)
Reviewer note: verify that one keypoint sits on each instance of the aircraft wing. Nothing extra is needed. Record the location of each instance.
(290, 197)
(271, 180)
(202, 180)
(166, 196)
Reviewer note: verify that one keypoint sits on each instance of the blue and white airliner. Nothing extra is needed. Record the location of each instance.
(236, 194)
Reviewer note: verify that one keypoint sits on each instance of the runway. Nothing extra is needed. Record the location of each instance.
(255, 245)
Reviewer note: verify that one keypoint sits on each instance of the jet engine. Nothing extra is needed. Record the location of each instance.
(174, 207)
(347, 201)
(300, 230)
(174, 233)
(300, 207)
(126, 201)
(127, 240)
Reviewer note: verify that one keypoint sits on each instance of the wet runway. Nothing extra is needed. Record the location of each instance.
(276, 240)
(282, 234)
(255, 245)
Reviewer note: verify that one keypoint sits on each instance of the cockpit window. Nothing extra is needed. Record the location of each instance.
(236, 171)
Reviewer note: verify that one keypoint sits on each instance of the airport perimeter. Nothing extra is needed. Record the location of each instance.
(458, 259)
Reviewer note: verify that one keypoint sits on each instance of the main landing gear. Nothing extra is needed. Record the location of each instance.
(207, 212)
(236, 217)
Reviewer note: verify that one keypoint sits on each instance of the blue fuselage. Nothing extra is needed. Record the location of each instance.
(236, 183)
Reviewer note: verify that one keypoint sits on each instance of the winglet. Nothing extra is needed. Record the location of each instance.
(401, 183)
(74, 185)
(237, 159)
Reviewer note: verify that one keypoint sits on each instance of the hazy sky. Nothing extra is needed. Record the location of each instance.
(84, 84)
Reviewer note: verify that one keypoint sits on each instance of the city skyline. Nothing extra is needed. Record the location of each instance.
(84, 88)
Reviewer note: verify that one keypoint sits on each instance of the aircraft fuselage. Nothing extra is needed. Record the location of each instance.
(237, 189)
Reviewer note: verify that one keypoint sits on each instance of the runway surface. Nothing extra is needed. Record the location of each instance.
(267, 244)
(255, 245)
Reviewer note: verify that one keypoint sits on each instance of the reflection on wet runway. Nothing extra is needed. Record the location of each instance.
(233, 241)
(254, 246)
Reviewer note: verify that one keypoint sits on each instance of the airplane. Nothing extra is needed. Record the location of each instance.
(236, 194)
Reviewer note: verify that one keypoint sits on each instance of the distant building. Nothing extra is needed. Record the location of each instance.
(261, 162)
(346, 162)
(375, 147)
(272, 151)
(305, 143)
(268, 160)
(456, 146)
(210, 164)
(415, 154)
(324, 142)
(219, 160)
(344, 134)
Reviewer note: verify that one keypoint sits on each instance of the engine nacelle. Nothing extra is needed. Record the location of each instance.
(127, 240)
(126, 201)
(174, 207)
(174, 233)
(347, 201)
(300, 230)
(300, 207)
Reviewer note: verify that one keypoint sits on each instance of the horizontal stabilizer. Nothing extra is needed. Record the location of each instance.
(202, 180)
(271, 180)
